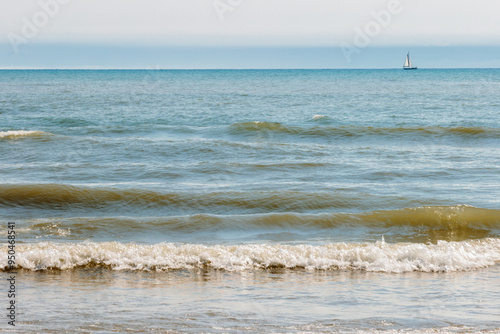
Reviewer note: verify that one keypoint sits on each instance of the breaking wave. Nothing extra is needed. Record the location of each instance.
(21, 133)
(378, 257)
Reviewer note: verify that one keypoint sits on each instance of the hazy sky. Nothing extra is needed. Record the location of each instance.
(350, 26)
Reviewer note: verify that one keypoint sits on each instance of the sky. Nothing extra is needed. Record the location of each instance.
(248, 33)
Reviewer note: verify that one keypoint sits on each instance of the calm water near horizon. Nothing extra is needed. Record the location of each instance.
(273, 201)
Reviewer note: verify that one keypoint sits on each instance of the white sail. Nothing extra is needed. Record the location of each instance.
(408, 65)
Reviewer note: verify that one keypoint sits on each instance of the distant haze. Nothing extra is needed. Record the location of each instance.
(56, 28)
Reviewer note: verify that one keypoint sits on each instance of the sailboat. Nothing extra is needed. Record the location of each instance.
(408, 65)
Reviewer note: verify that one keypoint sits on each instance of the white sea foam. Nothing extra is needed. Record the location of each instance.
(319, 116)
(379, 257)
(20, 133)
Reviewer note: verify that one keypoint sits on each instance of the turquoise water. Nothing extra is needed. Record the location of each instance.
(253, 200)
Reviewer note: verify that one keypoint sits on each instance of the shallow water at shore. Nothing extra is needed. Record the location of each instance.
(276, 300)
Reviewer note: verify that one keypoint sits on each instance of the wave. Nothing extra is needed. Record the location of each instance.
(378, 257)
(358, 131)
(21, 133)
(459, 216)
(270, 208)
(454, 218)
(320, 117)
(424, 224)
(60, 197)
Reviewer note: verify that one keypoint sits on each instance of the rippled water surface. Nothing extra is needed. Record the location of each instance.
(253, 201)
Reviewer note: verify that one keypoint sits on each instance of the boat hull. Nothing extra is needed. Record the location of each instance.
(410, 68)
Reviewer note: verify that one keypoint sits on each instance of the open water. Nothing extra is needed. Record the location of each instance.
(280, 201)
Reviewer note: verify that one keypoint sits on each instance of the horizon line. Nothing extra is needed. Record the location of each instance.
(229, 69)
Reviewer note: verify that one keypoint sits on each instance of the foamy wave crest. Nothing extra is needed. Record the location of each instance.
(379, 257)
(20, 133)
